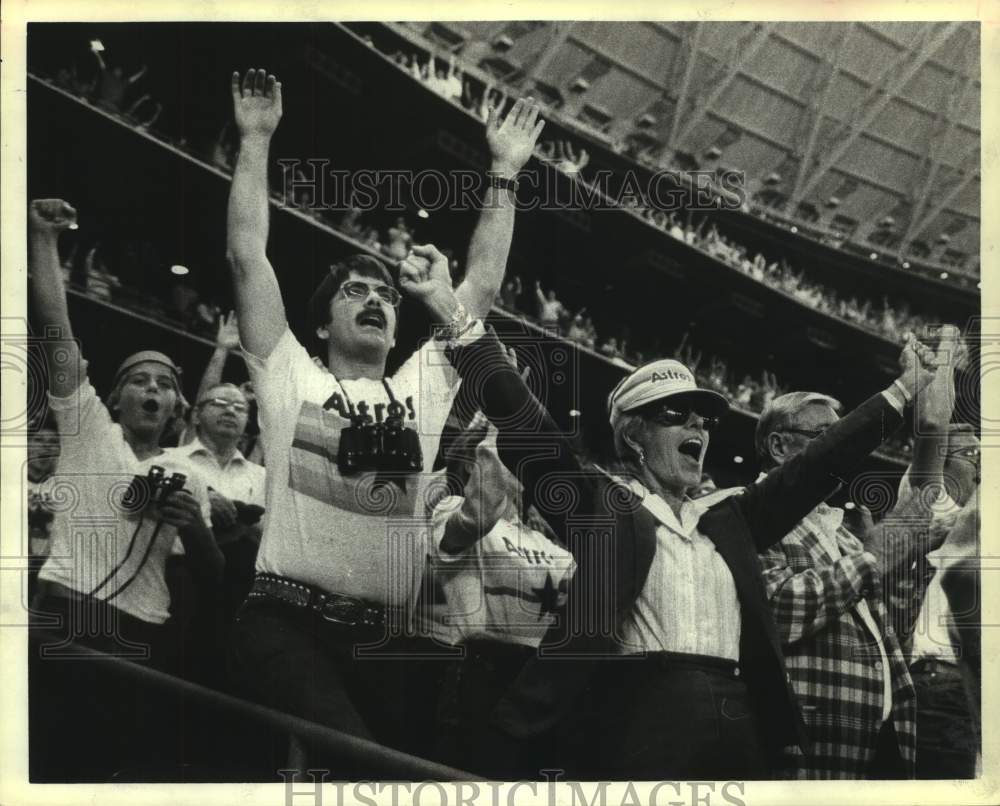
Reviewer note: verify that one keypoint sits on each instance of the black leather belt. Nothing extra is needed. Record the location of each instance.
(930, 665)
(705, 663)
(497, 653)
(337, 608)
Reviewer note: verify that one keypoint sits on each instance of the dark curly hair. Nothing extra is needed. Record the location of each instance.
(365, 265)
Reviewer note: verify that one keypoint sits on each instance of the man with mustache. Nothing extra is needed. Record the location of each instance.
(345, 445)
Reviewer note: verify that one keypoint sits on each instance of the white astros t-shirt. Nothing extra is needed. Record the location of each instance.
(94, 537)
(358, 534)
(506, 587)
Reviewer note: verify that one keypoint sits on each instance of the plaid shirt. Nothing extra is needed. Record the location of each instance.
(832, 657)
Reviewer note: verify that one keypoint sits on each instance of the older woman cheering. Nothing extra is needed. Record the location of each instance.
(665, 661)
(687, 617)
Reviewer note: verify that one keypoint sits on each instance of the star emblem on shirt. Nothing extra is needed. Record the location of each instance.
(548, 597)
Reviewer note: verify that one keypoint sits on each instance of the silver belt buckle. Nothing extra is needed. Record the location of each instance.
(342, 610)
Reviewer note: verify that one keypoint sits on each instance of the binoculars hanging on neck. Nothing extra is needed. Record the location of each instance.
(383, 447)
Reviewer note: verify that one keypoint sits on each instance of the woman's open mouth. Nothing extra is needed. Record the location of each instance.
(691, 448)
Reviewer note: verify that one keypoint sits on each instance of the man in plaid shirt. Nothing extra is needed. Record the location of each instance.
(839, 601)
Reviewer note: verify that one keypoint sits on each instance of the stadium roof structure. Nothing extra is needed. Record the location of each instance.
(871, 129)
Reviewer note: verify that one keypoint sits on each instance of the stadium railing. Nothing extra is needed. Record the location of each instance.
(205, 713)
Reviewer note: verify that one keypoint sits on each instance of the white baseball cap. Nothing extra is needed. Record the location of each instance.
(659, 380)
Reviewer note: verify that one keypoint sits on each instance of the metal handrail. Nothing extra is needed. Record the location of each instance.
(345, 746)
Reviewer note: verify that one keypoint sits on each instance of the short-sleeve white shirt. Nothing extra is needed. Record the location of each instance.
(95, 538)
(239, 479)
(345, 534)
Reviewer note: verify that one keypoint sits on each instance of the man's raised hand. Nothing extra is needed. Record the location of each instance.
(512, 141)
(228, 335)
(256, 103)
(485, 492)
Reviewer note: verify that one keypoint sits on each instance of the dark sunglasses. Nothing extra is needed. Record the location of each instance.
(670, 416)
(355, 289)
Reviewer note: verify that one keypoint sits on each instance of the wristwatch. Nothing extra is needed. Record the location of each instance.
(503, 183)
(907, 397)
(461, 320)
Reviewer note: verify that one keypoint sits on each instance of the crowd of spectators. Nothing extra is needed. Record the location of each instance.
(949, 266)
(570, 158)
(182, 304)
(105, 272)
(283, 570)
(109, 87)
(889, 319)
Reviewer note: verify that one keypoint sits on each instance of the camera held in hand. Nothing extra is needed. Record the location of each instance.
(151, 489)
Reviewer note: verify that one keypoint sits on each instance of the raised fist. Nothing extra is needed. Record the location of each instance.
(918, 364)
(51, 216)
(424, 272)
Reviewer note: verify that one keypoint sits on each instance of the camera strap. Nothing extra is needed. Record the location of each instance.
(347, 397)
(142, 562)
(128, 553)
(392, 397)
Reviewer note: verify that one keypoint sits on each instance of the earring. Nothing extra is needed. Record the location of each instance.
(642, 456)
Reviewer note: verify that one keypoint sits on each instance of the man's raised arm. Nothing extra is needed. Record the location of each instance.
(46, 219)
(511, 144)
(259, 308)
(932, 413)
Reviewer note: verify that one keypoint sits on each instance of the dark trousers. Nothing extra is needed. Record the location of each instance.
(66, 618)
(470, 690)
(888, 764)
(88, 725)
(947, 736)
(205, 615)
(293, 660)
(670, 717)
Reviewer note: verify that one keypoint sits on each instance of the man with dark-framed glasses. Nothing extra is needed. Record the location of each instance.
(344, 533)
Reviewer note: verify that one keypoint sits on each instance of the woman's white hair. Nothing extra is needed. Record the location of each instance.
(626, 424)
